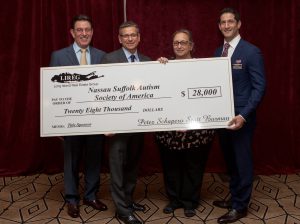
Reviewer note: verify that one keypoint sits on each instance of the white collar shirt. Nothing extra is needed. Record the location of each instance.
(77, 50)
(233, 43)
(128, 54)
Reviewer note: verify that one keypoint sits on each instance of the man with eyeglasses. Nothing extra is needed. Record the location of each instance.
(125, 149)
(87, 147)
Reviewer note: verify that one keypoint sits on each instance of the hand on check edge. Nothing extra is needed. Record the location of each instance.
(162, 60)
(236, 123)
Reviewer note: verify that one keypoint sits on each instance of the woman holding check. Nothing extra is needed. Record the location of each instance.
(183, 153)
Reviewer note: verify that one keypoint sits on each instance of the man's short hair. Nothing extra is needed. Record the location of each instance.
(236, 14)
(129, 24)
(81, 17)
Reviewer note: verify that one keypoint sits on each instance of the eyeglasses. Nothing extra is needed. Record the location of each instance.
(182, 43)
(80, 30)
(126, 36)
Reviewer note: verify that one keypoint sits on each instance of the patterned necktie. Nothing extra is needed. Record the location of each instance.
(132, 58)
(83, 57)
(225, 51)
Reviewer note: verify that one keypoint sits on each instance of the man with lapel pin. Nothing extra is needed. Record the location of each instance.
(249, 83)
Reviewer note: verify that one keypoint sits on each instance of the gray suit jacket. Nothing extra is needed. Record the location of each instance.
(67, 56)
(125, 151)
(119, 56)
(73, 144)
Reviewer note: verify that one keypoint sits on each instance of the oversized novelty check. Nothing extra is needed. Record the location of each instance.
(136, 97)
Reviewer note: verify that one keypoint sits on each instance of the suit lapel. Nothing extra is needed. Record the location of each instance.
(72, 56)
(93, 56)
(121, 56)
(218, 52)
(237, 51)
(141, 57)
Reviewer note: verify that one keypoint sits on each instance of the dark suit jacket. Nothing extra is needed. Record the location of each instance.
(248, 77)
(125, 151)
(67, 56)
(72, 144)
(119, 56)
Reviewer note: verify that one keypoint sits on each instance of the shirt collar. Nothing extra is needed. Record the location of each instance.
(234, 42)
(77, 48)
(128, 54)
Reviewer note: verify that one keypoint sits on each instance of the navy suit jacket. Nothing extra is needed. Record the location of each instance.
(119, 56)
(248, 77)
(67, 56)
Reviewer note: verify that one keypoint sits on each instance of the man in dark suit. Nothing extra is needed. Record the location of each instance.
(248, 78)
(125, 149)
(87, 147)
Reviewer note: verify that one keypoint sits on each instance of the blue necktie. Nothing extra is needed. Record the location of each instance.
(132, 57)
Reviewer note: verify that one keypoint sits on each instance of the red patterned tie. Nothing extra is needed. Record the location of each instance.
(225, 50)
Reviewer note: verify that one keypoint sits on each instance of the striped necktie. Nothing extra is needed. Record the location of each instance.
(225, 50)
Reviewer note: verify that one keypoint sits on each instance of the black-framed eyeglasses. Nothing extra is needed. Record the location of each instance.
(182, 43)
(126, 36)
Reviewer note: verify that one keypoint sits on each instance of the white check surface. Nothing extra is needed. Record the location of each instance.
(137, 97)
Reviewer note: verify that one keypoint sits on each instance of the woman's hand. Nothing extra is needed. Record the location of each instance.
(162, 60)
